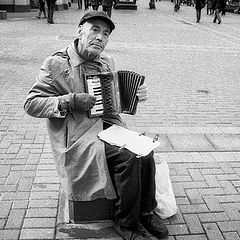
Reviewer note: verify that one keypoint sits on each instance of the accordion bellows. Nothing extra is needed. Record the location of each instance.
(115, 92)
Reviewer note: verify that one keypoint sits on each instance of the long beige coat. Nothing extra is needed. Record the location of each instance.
(78, 153)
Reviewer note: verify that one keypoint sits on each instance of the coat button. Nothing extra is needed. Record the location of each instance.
(67, 72)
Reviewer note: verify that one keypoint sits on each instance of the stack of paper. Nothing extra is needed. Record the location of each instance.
(133, 141)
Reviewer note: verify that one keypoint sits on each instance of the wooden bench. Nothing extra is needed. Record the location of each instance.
(3, 14)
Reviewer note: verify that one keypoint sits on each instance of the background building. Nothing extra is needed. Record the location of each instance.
(27, 5)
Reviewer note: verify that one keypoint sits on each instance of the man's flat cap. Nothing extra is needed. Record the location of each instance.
(93, 14)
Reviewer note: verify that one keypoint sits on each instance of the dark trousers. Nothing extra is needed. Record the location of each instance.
(198, 12)
(80, 3)
(51, 7)
(42, 6)
(134, 182)
(217, 16)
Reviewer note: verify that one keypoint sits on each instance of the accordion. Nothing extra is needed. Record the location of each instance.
(115, 92)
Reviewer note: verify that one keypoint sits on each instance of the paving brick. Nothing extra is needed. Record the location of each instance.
(207, 157)
(189, 142)
(24, 168)
(196, 175)
(236, 183)
(228, 187)
(46, 233)
(20, 204)
(25, 184)
(8, 188)
(181, 178)
(180, 169)
(178, 190)
(14, 148)
(39, 222)
(213, 217)
(44, 195)
(231, 236)
(213, 231)
(41, 212)
(177, 229)
(193, 223)
(194, 208)
(176, 219)
(230, 157)
(212, 181)
(229, 226)
(12, 196)
(5, 208)
(194, 196)
(2, 223)
(211, 191)
(43, 203)
(46, 180)
(4, 170)
(197, 185)
(228, 177)
(182, 200)
(229, 198)
(192, 237)
(232, 210)
(15, 219)
(225, 142)
(9, 234)
(212, 203)
(45, 187)
(47, 167)
(226, 167)
(211, 171)
(47, 173)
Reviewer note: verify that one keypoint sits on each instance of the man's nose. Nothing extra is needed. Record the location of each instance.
(99, 36)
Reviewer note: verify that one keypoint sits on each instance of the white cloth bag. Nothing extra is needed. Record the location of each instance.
(167, 206)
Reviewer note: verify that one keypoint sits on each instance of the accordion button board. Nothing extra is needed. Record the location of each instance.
(115, 92)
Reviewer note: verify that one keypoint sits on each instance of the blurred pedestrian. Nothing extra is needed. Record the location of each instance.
(80, 4)
(218, 5)
(209, 7)
(107, 7)
(95, 4)
(41, 10)
(51, 7)
(152, 4)
(198, 6)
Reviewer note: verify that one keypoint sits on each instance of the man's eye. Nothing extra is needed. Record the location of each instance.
(106, 34)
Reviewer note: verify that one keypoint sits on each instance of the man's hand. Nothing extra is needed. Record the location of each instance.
(84, 101)
(142, 92)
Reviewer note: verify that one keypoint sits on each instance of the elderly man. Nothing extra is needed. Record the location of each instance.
(89, 168)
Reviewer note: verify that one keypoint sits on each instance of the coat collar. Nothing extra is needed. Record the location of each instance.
(76, 58)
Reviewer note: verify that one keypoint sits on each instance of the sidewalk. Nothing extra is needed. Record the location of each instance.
(193, 104)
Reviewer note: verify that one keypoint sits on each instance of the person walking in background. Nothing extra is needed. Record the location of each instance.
(41, 10)
(209, 7)
(218, 5)
(107, 6)
(95, 4)
(51, 7)
(198, 6)
(80, 4)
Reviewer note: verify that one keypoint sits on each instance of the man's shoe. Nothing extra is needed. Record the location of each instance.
(138, 233)
(154, 225)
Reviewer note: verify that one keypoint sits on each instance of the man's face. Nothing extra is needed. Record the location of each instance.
(93, 37)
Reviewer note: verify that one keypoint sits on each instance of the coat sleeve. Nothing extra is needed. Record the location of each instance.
(42, 100)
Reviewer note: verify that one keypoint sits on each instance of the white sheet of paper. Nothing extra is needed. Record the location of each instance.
(119, 136)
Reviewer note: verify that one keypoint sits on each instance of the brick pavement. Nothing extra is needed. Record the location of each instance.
(199, 128)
